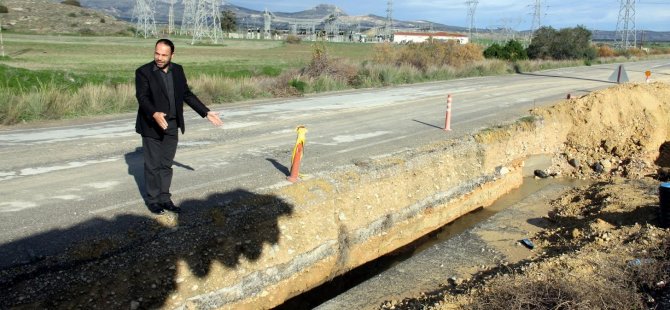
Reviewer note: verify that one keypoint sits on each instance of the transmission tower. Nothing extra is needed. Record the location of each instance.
(472, 6)
(188, 17)
(537, 18)
(143, 15)
(171, 18)
(267, 24)
(388, 27)
(625, 26)
(207, 21)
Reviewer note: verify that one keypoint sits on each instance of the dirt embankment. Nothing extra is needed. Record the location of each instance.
(605, 247)
(260, 249)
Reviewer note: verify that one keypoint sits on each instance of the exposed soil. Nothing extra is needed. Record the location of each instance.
(605, 246)
(47, 17)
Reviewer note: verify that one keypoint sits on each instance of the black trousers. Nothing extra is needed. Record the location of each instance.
(158, 158)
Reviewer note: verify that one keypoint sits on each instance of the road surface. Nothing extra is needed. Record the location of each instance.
(55, 177)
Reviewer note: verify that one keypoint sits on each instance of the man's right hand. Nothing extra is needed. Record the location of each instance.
(159, 117)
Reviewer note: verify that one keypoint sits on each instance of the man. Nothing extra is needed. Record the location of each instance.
(161, 90)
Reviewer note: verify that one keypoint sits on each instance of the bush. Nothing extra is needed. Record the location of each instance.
(568, 43)
(72, 14)
(605, 51)
(86, 31)
(72, 2)
(291, 39)
(3, 9)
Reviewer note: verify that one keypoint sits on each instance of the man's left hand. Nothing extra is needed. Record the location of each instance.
(213, 117)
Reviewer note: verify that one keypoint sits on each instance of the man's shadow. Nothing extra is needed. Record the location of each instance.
(142, 260)
(135, 163)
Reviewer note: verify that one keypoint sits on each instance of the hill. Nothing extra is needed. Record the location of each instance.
(44, 16)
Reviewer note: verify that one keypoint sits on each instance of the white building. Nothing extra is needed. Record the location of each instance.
(420, 37)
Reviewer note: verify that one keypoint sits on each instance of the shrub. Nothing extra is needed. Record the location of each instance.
(102, 20)
(605, 51)
(72, 2)
(72, 14)
(86, 31)
(3, 9)
(291, 39)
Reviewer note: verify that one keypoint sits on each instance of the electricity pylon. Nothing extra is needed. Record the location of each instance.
(143, 15)
(472, 6)
(537, 18)
(625, 26)
(188, 17)
(207, 21)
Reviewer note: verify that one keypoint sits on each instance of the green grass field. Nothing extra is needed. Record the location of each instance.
(74, 61)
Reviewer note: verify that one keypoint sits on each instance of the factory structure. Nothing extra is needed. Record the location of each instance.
(324, 22)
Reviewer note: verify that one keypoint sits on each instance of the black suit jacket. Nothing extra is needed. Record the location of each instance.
(152, 97)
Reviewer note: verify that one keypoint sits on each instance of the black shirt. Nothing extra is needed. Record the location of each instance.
(169, 86)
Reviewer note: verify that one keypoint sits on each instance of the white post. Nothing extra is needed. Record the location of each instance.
(2, 43)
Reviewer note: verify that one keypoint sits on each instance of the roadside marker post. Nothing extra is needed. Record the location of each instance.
(447, 121)
(298, 151)
(648, 75)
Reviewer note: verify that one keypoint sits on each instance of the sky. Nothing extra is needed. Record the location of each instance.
(651, 15)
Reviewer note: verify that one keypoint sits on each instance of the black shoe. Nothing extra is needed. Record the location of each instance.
(156, 208)
(171, 207)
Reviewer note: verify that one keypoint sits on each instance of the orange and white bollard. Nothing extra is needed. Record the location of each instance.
(296, 157)
(648, 75)
(447, 121)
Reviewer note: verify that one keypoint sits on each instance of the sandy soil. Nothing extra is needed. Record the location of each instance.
(605, 246)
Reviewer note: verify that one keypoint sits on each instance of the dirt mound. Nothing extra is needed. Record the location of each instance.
(617, 131)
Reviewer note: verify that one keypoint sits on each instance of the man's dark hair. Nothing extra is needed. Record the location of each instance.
(166, 42)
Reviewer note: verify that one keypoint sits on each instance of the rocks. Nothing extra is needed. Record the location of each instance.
(575, 163)
(541, 174)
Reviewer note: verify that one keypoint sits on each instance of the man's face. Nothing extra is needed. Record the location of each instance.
(162, 55)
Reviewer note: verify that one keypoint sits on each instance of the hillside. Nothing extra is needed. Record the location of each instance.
(44, 16)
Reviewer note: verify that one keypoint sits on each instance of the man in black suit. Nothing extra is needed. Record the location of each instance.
(161, 90)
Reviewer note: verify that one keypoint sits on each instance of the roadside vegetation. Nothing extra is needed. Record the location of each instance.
(45, 77)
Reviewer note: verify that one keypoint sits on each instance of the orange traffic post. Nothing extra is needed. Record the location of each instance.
(447, 121)
(648, 75)
(296, 157)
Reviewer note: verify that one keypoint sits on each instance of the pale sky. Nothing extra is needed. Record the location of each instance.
(517, 14)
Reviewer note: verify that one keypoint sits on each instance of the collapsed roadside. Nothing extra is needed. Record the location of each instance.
(605, 246)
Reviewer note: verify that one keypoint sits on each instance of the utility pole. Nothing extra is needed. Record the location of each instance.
(472, 6)
(143, 15)
(625, 26)
(2, 42)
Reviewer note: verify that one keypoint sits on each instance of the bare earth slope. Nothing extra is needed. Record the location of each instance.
(605, 246)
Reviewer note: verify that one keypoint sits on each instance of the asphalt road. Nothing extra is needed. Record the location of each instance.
(57, 179)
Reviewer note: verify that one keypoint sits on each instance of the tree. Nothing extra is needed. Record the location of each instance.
(228, 21)
(541, 44)
(568, 43)
(514, 51)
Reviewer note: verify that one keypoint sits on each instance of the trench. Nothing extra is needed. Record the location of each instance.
(343, 283)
